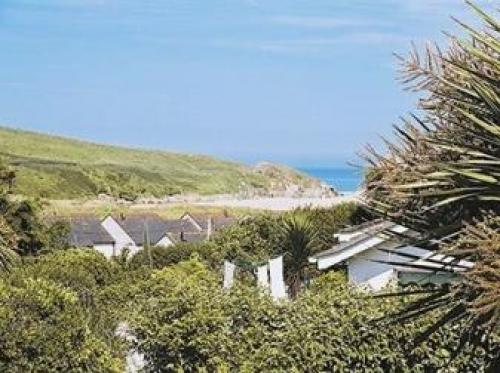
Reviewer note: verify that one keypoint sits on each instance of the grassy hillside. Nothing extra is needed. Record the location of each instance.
(60, 168)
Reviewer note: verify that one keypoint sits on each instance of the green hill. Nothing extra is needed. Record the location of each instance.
(61, 168)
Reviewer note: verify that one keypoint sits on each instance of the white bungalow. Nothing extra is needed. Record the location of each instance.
(366, 251)
(132, 231)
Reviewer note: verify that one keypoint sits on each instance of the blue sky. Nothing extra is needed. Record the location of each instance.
(303, 82)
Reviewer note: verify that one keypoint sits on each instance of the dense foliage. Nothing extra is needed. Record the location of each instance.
(22, 228)
(69, 304)
(43, 328)
(159, 257)
(187, 321)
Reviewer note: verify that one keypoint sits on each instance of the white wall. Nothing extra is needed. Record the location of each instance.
(165, 241)
(106, 249)
(122, 239)
(362, 271)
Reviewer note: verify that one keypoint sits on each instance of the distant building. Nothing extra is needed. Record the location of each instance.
(366, 250)
(87, 231)
(134, 231)
(118, 232)
(207, 223)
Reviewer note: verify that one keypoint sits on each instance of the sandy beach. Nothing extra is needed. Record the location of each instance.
(280, 203)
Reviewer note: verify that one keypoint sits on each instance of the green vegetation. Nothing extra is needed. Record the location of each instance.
(300, 239)
(188, 322)
(60, 308)
(22, 231)
(184, 320)
(60, 168)
(44, 328)
(442, 177)
(167, 211)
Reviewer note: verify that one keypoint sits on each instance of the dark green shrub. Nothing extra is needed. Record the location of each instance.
(254, 238)
(82, 270)
(44, 329)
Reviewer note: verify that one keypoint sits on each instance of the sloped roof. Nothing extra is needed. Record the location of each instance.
(193, 237)
(383, 235)
(180, 225)
(188, 236)
(367, 232)
(218, 222)
(137, 225)
(86, 230)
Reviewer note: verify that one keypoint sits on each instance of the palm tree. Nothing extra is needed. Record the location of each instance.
(301, 239)
(442, 175)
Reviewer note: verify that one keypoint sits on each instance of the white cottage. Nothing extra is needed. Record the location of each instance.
(366, 251)
(132, 231)
(86, 231)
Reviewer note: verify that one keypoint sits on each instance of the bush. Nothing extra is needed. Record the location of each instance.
(259, 237)
(186, 321)
(81, 270)
(254, 238)
(209, 252)
(43, 329)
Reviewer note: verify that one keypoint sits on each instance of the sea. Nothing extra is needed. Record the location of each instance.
(342, 179)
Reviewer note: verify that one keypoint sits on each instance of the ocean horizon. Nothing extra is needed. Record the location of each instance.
(342, 179)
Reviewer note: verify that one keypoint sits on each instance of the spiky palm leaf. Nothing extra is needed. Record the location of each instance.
(443, 172)
(445, 167)
(301, 239)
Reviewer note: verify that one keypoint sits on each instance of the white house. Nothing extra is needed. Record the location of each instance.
(86, 231)
(117, 232)
(132, 231)
(366, 251)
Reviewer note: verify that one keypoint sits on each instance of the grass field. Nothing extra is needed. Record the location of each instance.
(167, 211)
(61, 168)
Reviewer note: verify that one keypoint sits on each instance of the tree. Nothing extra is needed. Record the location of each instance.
(301, 239)
(442, 176)
(22, 229)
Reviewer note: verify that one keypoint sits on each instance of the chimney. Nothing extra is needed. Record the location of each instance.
(209, 227)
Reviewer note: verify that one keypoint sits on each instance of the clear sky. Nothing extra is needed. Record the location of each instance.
(304, 82)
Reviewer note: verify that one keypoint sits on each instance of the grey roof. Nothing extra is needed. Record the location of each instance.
(193, 237)
(368, 233)
(180, 225)
(137, 225)
(218, 222)
(86, 231)
(188, 236)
